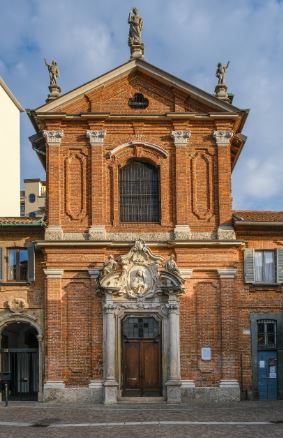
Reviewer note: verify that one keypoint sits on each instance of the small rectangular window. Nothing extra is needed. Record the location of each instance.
(264, 263)
(266, 334)
(17, 264)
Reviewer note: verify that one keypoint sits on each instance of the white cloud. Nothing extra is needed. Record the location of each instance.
(186, 38)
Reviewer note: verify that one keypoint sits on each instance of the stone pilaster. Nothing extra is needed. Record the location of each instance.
(182, 229)
(110, 383)
(225, 230)
(96, 140)
(54, 359)
(53, 140)
(174, 378)
(229, 334)
(40, 367)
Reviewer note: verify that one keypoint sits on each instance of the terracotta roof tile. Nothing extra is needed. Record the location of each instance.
(257, 216)
(20, 221)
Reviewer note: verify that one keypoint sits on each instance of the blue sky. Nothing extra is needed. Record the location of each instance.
(184, 37)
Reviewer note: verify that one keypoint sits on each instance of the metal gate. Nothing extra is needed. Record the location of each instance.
(22, 364)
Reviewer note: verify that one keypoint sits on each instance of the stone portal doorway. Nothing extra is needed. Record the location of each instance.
(141, 358)
(20, 358)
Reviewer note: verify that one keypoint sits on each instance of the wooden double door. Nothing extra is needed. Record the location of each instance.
(141, 357)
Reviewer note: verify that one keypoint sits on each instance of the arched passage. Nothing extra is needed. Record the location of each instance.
(20, 358)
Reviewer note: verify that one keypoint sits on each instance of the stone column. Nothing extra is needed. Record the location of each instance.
(53, 140)
(174, 378)
(97, 229)
(229, 335)
(182, 229)
(225, 229)
(110, 383)
(53, 333)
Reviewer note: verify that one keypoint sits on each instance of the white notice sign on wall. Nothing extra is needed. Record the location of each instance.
(262, 364)
(206, 353)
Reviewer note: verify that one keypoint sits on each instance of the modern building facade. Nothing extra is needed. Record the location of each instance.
(10, 140)
(33, 198)
(146, 283)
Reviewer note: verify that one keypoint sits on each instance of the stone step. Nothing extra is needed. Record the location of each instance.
(141, 400)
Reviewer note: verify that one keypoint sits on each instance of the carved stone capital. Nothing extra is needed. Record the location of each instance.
(172, 307)
(94, 273)
(109, 308)
(223, 138)
(53, 137)
(53, 273)
(180, 138)
(96, 138)
(227, 272)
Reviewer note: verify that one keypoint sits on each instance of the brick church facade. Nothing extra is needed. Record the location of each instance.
(142, 282)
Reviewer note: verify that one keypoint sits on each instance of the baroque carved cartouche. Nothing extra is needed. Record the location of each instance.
(138, 275)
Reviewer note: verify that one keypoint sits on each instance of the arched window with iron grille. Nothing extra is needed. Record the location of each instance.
(139, 192)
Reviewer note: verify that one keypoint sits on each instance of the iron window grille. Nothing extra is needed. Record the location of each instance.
(139, 192)
(140, 328)
(266, 334)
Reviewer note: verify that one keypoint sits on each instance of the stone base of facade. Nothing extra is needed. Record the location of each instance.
(174, 392)
(58, 392)
(110, 392)
(228, 391)
(107, 393)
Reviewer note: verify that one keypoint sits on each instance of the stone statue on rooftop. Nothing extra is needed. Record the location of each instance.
(136, 25)
(54, 89)
(53, 71)
(221, 71)
(134, 41)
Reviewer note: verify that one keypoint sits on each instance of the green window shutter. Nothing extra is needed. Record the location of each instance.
(31, 264)
(279, 267)
(1, 264)
(249, 266)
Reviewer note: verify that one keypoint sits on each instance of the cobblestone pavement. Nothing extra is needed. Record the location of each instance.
(243, 419)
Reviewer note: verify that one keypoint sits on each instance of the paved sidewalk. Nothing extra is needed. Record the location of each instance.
(243, 419)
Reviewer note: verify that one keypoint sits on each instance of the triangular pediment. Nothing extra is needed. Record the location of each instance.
(141, 77)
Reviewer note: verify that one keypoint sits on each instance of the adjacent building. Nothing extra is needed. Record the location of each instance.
(10, 110)
(142, 281)
(33, 198)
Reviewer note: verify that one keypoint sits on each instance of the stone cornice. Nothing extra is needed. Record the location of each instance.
(117, 244)
(53, 137)
(122, 116)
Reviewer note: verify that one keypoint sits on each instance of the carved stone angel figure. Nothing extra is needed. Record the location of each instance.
(136, 26)
(109, 266)
(53, 71)
(171, 266)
